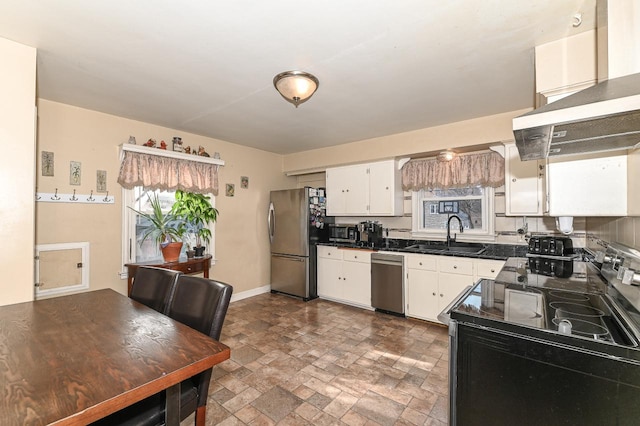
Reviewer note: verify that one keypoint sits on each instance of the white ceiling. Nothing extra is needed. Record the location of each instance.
(206, 66)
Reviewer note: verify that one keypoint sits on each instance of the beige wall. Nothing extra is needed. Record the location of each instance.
(92, 138)
(17, 180)
(478, 131)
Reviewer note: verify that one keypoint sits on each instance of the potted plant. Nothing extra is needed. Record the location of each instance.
(166, 229)
(197, 212)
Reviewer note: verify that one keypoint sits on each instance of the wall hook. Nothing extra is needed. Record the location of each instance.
(55, 196)
(73, 197)
(106, 197)
(90, 198)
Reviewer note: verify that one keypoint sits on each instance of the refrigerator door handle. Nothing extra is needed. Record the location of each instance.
(271, 220)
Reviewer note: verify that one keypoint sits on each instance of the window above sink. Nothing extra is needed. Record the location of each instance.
(474, 205)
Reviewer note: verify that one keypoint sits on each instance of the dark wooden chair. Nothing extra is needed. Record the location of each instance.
(154, 286)
(201, 304)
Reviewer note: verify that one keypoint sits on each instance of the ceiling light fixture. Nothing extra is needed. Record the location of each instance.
(296, 86)
(446, 156)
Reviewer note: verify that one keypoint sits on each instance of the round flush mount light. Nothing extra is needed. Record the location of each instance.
(446, 156)
(296, 86)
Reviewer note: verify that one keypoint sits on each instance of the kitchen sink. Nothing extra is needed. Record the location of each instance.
(454, 247)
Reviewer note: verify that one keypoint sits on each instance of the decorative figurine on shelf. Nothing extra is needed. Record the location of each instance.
(202, 152)
(177, 144)
(132, 140)
(163, 145)
(150, 142)
(187, 149)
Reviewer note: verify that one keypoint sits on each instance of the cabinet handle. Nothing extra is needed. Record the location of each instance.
(434, 293)
(441, 295)
(513, 180)
(493, 270)
(455, 266)
(339, 278)
(420, 263)
(387, 187)
(355, 257)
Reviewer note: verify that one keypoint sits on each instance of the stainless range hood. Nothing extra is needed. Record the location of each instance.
(605, 117)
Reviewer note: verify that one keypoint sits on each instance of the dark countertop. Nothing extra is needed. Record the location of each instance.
(491, 251)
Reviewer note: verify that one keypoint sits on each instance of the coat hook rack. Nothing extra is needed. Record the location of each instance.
(75, 198)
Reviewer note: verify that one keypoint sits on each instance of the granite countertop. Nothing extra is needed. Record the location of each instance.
(485, 250)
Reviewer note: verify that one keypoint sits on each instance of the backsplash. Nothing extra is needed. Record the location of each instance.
(601, 230)
(505, 226)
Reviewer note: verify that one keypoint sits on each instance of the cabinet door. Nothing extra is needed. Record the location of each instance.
(347, 190)
(523, 185)
(382, 181)
(422, 294)
(450, 286)
(330, 278)
(356, 282)
(356, 180)
(488, 268)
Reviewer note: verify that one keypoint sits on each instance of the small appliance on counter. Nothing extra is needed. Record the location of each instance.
(551, 246)
(343, 233)
(370, 233)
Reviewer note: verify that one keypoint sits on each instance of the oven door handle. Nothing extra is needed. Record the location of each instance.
(445, 316)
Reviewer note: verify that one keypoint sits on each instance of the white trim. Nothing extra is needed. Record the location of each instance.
(250, 293)
(84, 285)
(171, 154)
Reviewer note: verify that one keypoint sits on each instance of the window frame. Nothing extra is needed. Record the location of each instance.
(486, 234)
(129, 230)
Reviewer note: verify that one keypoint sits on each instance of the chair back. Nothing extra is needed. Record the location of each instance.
(154, 286)
(201, 304)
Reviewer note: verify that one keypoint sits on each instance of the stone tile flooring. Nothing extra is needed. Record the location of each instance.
(323, 363)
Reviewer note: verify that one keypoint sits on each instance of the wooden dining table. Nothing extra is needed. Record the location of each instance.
(75, 359)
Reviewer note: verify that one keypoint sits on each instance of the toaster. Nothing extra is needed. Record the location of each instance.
(551, 246)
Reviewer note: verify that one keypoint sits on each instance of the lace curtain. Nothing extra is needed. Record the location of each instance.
(485, 169)
(168, 174)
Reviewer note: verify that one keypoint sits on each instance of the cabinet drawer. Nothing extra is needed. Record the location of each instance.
(489, 268)
(455, 265)
(330, 252)
(427, 263)
(363, 256)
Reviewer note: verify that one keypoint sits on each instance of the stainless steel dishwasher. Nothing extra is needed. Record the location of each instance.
(387, 282)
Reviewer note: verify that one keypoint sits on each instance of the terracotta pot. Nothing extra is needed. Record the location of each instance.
(171, 252)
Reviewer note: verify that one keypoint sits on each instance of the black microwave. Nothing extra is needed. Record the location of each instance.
(343, 233)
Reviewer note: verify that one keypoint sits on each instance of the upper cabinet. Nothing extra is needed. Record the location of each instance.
(523, 184)
(372, 189)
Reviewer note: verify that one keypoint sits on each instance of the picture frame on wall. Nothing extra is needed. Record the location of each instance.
(101, 181)
(47, 163)
(244, 182)
(230, 192)
(75, 173)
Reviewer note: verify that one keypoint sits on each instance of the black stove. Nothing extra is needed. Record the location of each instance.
(552, 340)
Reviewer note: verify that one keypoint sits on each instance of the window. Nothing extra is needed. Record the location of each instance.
(474, 205)
(134, 250)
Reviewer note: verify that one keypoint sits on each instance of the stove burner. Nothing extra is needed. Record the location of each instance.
(585, 328)
(575, 297)
(566, 309)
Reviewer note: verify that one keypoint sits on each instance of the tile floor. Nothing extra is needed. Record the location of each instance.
(324, 363)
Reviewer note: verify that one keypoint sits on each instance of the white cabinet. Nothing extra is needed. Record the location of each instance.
(347, 190)
(372, 189)
(524, 184)
(487, 268)
(344, 275)
(435, 281)
(422, 286)
(589, 185)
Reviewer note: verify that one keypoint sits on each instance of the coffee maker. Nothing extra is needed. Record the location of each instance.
(370, 233)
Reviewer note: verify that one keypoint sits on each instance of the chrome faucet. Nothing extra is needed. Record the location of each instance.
(449, 239)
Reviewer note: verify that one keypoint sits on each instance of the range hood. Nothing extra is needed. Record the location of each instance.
(605, 117)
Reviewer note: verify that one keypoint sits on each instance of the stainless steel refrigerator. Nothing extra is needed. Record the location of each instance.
(297, 222)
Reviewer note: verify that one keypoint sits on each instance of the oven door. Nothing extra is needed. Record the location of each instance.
(502, 378)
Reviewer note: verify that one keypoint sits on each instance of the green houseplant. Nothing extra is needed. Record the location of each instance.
(166, 229)
(197, 212)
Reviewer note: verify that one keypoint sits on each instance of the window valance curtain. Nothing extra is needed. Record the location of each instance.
(484, 169)
(168, 174)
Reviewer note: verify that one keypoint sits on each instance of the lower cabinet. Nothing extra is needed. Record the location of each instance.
(434, 281)
(344, 275)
